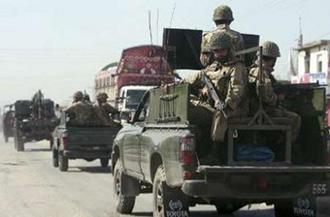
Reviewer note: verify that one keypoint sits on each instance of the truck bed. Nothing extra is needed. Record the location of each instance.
(83, 136)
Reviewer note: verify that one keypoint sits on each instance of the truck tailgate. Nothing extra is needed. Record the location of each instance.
(259, 183)
(92, 135)
(264, 169)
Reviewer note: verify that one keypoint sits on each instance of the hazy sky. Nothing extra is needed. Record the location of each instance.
(58, 46)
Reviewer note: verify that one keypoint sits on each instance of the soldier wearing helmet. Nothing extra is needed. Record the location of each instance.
(80, 112)
(229, 77)
(105, 111)
(270, 53)
(222, 17)
(78, 96)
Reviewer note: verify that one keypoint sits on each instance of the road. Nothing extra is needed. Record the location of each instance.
(31, 187)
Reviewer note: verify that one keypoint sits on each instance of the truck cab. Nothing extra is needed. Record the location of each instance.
(129, 100)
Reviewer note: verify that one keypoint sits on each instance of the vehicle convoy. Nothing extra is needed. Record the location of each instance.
(139, 69)
(165, 151)
(87, 142)
(8, 118)
(34, 120)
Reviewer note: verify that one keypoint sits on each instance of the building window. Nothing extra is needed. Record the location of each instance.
(112, 80)
(307, 62)
(108, 81)
(319, 63)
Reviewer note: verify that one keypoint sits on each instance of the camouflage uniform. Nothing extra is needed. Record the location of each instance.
(206, 56)
(236, 38)
(224, 15)
(230, 82)
(104, 111)
(80, 113)
(271, 101)
(269, 97)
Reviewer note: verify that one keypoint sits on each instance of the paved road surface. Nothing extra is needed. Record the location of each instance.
(31, 187)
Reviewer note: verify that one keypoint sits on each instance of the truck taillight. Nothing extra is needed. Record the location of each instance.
(187, 152)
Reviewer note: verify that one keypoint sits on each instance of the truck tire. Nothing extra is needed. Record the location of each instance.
(6, 139)
(104, 162)
(163, 196)
(124, 204)
(284, 208)
(63, 162)
(51, 143)
(19, 144)
(15, 142)
(55, 157)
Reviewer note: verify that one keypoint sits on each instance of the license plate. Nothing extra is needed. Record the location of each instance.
(320, 189)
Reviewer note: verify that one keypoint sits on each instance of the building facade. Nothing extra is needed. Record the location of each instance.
(105, 82)
(313, 66)
(313, 63)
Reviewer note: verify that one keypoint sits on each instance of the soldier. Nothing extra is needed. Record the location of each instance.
(206, 54)
(222, 17)
(80, 113)
(229, 78)
(270, 53)
(87, 99)
(104, 110)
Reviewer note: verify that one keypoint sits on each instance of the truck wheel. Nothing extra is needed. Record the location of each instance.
(124, 204)
(104, 162)
(51, 143)
(63, 162)
(18, 143)
(55, 157)
(284, 208)
(167, 199)
(15, 141)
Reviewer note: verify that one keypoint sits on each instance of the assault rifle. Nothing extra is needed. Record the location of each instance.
(218, 103)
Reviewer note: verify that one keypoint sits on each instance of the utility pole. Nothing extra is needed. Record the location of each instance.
(300, 40)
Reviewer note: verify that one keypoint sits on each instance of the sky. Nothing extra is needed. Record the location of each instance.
(59, 46)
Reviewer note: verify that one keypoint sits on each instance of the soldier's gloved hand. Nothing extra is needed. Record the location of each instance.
(205, 92)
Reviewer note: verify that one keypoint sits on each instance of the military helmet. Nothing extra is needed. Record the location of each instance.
(270, 49)
(101, 96)
(78, 96)
(223, 12)
(220, 40)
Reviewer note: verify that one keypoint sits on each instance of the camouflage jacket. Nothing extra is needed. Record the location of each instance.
(80, 113)
(230, 82)
(269, 97)
(105, 112)
(236, 38)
